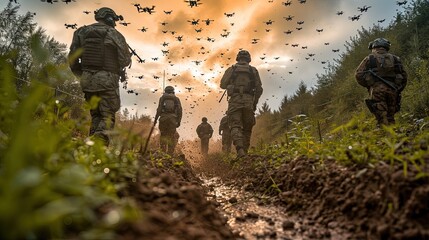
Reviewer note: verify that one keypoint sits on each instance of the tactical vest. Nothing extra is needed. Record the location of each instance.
(169, 103)
(243, 80)
(96, 54)
(384, 64)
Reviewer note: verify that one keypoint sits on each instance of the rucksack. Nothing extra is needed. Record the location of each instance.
(384, 65)
(169, 104)
(243, 80)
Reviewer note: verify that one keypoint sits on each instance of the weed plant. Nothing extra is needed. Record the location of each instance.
(359, 142)
(53, 183)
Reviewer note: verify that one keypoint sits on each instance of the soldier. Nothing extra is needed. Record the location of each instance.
(99, 53)
(225, 132)
(244, 88)
(383, 75)
(205, 132)
(169, 113)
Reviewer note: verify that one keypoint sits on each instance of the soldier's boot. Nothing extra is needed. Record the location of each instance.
(241, 153)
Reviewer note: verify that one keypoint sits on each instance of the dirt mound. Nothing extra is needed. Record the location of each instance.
(173, 203)
(373, 201)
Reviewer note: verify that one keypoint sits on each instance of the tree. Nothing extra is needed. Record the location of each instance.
(36, 56)
(265, 109)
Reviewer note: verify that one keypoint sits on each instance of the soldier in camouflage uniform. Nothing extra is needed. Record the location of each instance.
(205, 132)
(99, 53)
(383, 75)
(225, 132)
(169, 113)
(244, 88)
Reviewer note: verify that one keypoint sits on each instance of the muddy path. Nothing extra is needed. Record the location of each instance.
(251, 214)
(308, 198)
(190, 197)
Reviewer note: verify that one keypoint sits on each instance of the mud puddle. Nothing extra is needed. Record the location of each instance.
(252, 216)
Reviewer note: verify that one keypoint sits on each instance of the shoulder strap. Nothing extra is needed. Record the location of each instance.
(372, 61)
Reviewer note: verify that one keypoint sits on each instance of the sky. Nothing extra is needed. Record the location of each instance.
(290, 41)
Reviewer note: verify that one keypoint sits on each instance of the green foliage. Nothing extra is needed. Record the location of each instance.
(355, 143)
(52, 183)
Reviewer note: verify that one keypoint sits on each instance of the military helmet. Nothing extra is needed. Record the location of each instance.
(204, 119)
(243, 54)
(108, 15)
(169, 89)
(380, 42)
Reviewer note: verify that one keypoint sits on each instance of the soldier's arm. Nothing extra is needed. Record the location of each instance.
(159, 109)
(211, 130)
(74, 58)
(361, 69)
(179, 111)
(224, 82)
(124, 53)
(403, 73)
(258, 86)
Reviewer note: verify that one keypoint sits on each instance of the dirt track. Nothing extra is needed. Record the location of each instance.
(302, 199)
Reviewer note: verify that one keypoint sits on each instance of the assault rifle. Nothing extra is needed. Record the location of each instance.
(370, 102)
(223, 95)
(133, 52)
(388, 83)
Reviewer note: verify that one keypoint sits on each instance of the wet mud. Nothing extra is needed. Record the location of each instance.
(190, 197)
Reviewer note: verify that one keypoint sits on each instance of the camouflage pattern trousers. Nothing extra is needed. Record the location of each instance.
(385, 103)
(169, 135)
(103, 114)
(241, 121)
(226, 140)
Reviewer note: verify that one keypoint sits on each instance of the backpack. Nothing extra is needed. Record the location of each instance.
(388, 67)
(169, 104)
(384, 65)
(243, 80)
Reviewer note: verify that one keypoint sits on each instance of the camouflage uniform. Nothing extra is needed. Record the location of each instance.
(384, 100)
(169, 120)
(244, 88)
(226, 135)
(205, 132)
(105, 54)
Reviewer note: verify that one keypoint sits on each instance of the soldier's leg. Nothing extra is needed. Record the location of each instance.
(176, 137)
(248, 123)
(95, 113)
(204, 146)
(108, 106)
(378, 95)
(163, 141)
(228, 141)
(170, 140)
(236, 125)
(392, 104)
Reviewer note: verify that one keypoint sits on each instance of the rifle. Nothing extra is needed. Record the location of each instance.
(388, 83)
(223, 95)
(133, 52)
(150, 134)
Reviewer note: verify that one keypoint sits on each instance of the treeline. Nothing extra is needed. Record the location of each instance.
(337, 97)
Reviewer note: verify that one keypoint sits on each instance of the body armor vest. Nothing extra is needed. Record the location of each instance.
(97, 55)
(243, 79)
